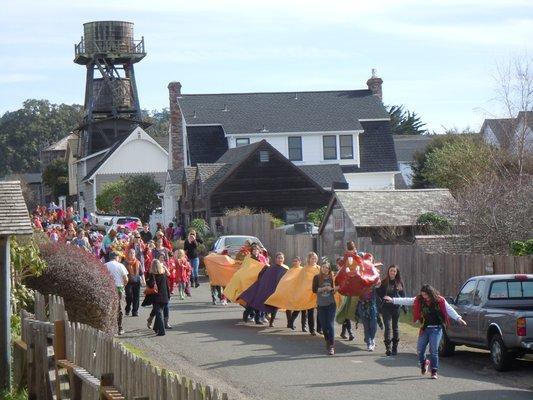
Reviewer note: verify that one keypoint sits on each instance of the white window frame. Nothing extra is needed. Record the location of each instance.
(246, 139)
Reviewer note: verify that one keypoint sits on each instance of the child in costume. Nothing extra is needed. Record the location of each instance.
(183, 272)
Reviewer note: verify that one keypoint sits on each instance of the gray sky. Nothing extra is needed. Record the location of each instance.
(436, 57)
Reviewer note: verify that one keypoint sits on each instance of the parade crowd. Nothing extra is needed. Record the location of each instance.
(349, 292)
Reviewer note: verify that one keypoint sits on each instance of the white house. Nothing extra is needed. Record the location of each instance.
(510, 133)
(137, 153)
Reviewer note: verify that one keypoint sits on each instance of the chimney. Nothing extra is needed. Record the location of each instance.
(374, 84)
(176, 134)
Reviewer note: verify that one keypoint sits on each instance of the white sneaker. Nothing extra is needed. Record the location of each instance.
(368, 347)
(224, 302)
(371, 347)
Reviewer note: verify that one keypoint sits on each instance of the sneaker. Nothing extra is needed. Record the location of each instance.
(214, 302)
(149, 323)
(224, 302)
(331, 350)
(121, 331)
(127, 313)
(259, 322)
(372, 347)
(434, 374)
(425, 367)
(343, 335)
(351, 337)
(368, 347)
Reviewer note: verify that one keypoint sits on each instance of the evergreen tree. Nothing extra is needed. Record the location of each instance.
(405, 122)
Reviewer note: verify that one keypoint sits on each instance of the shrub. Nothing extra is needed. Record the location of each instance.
(522, 248)
(433, 223)
(200, 226)
(317, 216)
(231, 212)
(84, 283)
(276, 222)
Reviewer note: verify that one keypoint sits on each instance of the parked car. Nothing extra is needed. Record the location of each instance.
(117, 221)
(300, 228)
(231, 244)
(101, 220)
(498, 310)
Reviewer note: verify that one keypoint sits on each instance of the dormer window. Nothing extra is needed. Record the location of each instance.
(346, 146)
(330, 147)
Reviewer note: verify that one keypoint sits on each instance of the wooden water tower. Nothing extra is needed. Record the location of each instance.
(109, 50)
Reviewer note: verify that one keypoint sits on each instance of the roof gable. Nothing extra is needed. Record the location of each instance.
(137, 134)
(14, 217)
(248, 113)
(205, 144)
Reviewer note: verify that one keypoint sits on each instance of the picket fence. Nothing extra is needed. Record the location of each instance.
(260, 226)
(59, 359)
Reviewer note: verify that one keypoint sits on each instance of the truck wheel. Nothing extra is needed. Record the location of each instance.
(501, 358)
(446, 347)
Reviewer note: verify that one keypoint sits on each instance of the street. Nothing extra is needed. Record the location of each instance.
(211, 344)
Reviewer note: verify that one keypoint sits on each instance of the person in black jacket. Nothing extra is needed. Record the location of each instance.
(191, 248)
(391, 286)
(159, 277)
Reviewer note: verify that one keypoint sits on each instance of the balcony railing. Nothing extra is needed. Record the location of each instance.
(109, 46)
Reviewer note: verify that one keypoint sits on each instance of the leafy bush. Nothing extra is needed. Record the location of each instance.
(200, 226)
(522, 248)
(84, 283)
(110, 198)
(433, 223)
(317, 216)
(231, 212)
(276, 222)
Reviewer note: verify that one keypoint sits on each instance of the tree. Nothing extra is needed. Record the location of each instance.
(140, 195)
(317, 215)
(159, 119)
(495, 212)
(514, 93)
(458, 164)
(55, 176)
(110, 198)
(419, 179)
(405, 122)
(24, 132)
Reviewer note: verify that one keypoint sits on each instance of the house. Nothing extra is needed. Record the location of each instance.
(385, 216)
(510, 133)
(14, 220)
(406, 146)
(260, 177)
(348, 128)
(56, 151)
(136, 153)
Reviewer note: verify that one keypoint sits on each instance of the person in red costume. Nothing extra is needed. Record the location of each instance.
(183, 273)
(173, 273)
(166, 243)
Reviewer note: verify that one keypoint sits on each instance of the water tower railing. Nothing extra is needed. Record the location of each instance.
(110, 46)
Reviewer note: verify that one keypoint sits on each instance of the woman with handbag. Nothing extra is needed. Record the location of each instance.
(158, 294)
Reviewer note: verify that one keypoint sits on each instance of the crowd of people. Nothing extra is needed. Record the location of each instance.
(136, 258)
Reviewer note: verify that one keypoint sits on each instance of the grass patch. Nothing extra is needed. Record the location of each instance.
(135, 350)
(14, 395)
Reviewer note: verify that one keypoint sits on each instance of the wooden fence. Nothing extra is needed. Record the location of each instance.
(260, 226)
(447, 272)
(57, 359)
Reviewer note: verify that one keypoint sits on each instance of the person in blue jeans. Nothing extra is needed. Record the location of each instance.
(324, 287)
(191, 249)
(367, 313)
(433, 312)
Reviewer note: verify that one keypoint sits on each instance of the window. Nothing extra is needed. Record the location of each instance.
(478, 295)
(338, 220)
(511, 290)
(346, 146)
(264, 156)
(242, 142)
(330, 147)
(465, 297)
(295, 148)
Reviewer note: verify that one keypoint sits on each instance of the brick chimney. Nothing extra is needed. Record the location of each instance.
(175, 148)
(374, 84)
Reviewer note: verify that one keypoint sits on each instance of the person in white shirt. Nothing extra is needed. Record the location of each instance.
(433, 312)
(120, 275)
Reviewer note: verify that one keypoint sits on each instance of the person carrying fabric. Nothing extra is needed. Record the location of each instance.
(324, 287)
(263, 288)
(250, 312)
(433, 312)
(391, 286)
(119, 273)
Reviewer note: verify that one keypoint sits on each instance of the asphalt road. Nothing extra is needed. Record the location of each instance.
(211, 344)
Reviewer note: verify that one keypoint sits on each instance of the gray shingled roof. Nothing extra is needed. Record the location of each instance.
(210, 174)
(407, 145)
(14, 217)
(502, 129)
(283, 111)
(190, 174)
(371, 208)
(61, 144)
(324, 174)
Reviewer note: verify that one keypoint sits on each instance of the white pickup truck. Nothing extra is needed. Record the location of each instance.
(498, 310)
(104, 222)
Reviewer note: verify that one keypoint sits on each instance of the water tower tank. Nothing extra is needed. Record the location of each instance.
(109, 37)
(116, 93)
